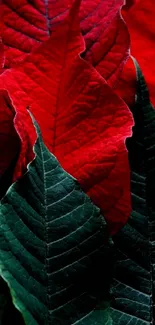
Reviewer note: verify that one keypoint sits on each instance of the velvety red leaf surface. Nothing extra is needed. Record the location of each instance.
(105, 34)
(126, 86)
(139, 16)
(27, 24)
(83, 121)
(1, 56)
(141, 24)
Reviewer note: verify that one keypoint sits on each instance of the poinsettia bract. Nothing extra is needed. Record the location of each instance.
(82, 120)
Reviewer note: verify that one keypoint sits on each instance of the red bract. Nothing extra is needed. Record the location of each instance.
(126, 87)
(1, 56)
(27, 24)
(82, 120)
(128, 4)
(140, 21)
(105, 34)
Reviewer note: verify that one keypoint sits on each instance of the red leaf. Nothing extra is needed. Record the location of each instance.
(140, 21)
(110, 51)
(26, 24)
(82, 120)
(128, 4)
(1, 56)
(126, 87)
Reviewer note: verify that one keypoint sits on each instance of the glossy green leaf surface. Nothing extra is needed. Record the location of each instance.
(133, 287)
(55, 253)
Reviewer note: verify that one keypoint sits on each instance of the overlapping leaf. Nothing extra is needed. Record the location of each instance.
(54, 249)
(126, 87)
(135, 269)
(83, 122)
(105, 34)
(139, 16)
(142, 34)
(1, 55)
(27, 24)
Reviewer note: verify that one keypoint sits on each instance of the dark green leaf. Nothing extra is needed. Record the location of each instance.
(133, 287)
(54, 248)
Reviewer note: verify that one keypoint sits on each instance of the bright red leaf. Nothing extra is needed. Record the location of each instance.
(139, 16)
(27, 24)
(82, 120)
(126, 87)
(140, 21)
(1, 56)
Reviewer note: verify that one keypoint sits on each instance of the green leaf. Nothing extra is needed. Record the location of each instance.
(55, 253)
(133, 287)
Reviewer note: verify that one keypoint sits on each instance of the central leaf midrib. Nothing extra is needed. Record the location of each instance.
(58, 99)
(45, 231)
(59, 92)
(47, 17)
